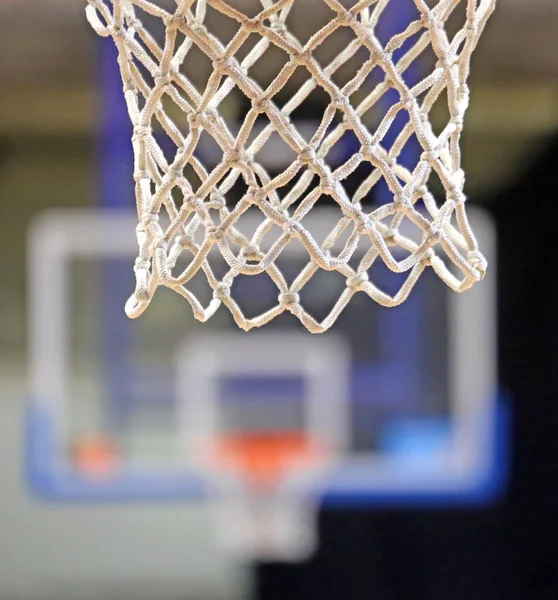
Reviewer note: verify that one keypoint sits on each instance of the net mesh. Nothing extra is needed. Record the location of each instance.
(185, 206)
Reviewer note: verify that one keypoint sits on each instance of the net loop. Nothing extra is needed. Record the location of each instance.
(198, 200)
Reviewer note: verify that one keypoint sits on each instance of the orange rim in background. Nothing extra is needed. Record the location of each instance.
(95, 456)
(265, 458)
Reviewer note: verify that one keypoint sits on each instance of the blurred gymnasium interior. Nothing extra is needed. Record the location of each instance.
(49, 129)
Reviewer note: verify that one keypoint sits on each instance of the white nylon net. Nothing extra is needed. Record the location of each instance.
(185, 214)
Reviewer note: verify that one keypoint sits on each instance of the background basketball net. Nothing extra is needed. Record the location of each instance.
(185, 215)
(260, 509)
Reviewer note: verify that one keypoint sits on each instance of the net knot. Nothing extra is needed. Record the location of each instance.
(196, 119)
(403, 201)
(471, 28)
(185, 241)
(428, 257)
(141, 295)
(128, 86)
(134, 23)
(163, 79)
(408, 103)
(329, 185)
(457, 122)
(278, 27)
(347, 122)
(257, 196)
(289, 299)
(307, 156)
(430, 156)
(370, 152)
(238, 158)
(222, 292)
(175, 171)
(142, 264)
(149, 219)
(217, 200)
(292, 228)
(141, 174)
(196, 204)
(457, 196)
(390, 237)
(198, 27)
(302, 57)
(357, 281)
(142, 132)
(430, 21)
(119, 32)
(250, 253)
(346, 19)
(223, 65)
(421, 191)
(464, 97)
(262, 104)
(341, 102)
(447, 62)
(252, 25)
(435, 234)
(478, 262)
(175, 21)
(363, 224)
(214, 235)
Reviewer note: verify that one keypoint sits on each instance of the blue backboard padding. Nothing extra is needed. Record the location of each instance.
(489, 486)
(415, 440)
(52, 480)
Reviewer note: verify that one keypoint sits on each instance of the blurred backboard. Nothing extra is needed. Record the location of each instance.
(410, 393)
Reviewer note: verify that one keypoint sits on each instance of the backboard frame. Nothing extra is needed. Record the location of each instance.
(473, 473)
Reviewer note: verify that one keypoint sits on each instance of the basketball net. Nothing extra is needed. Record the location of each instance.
(184, 207)
(264, 490)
